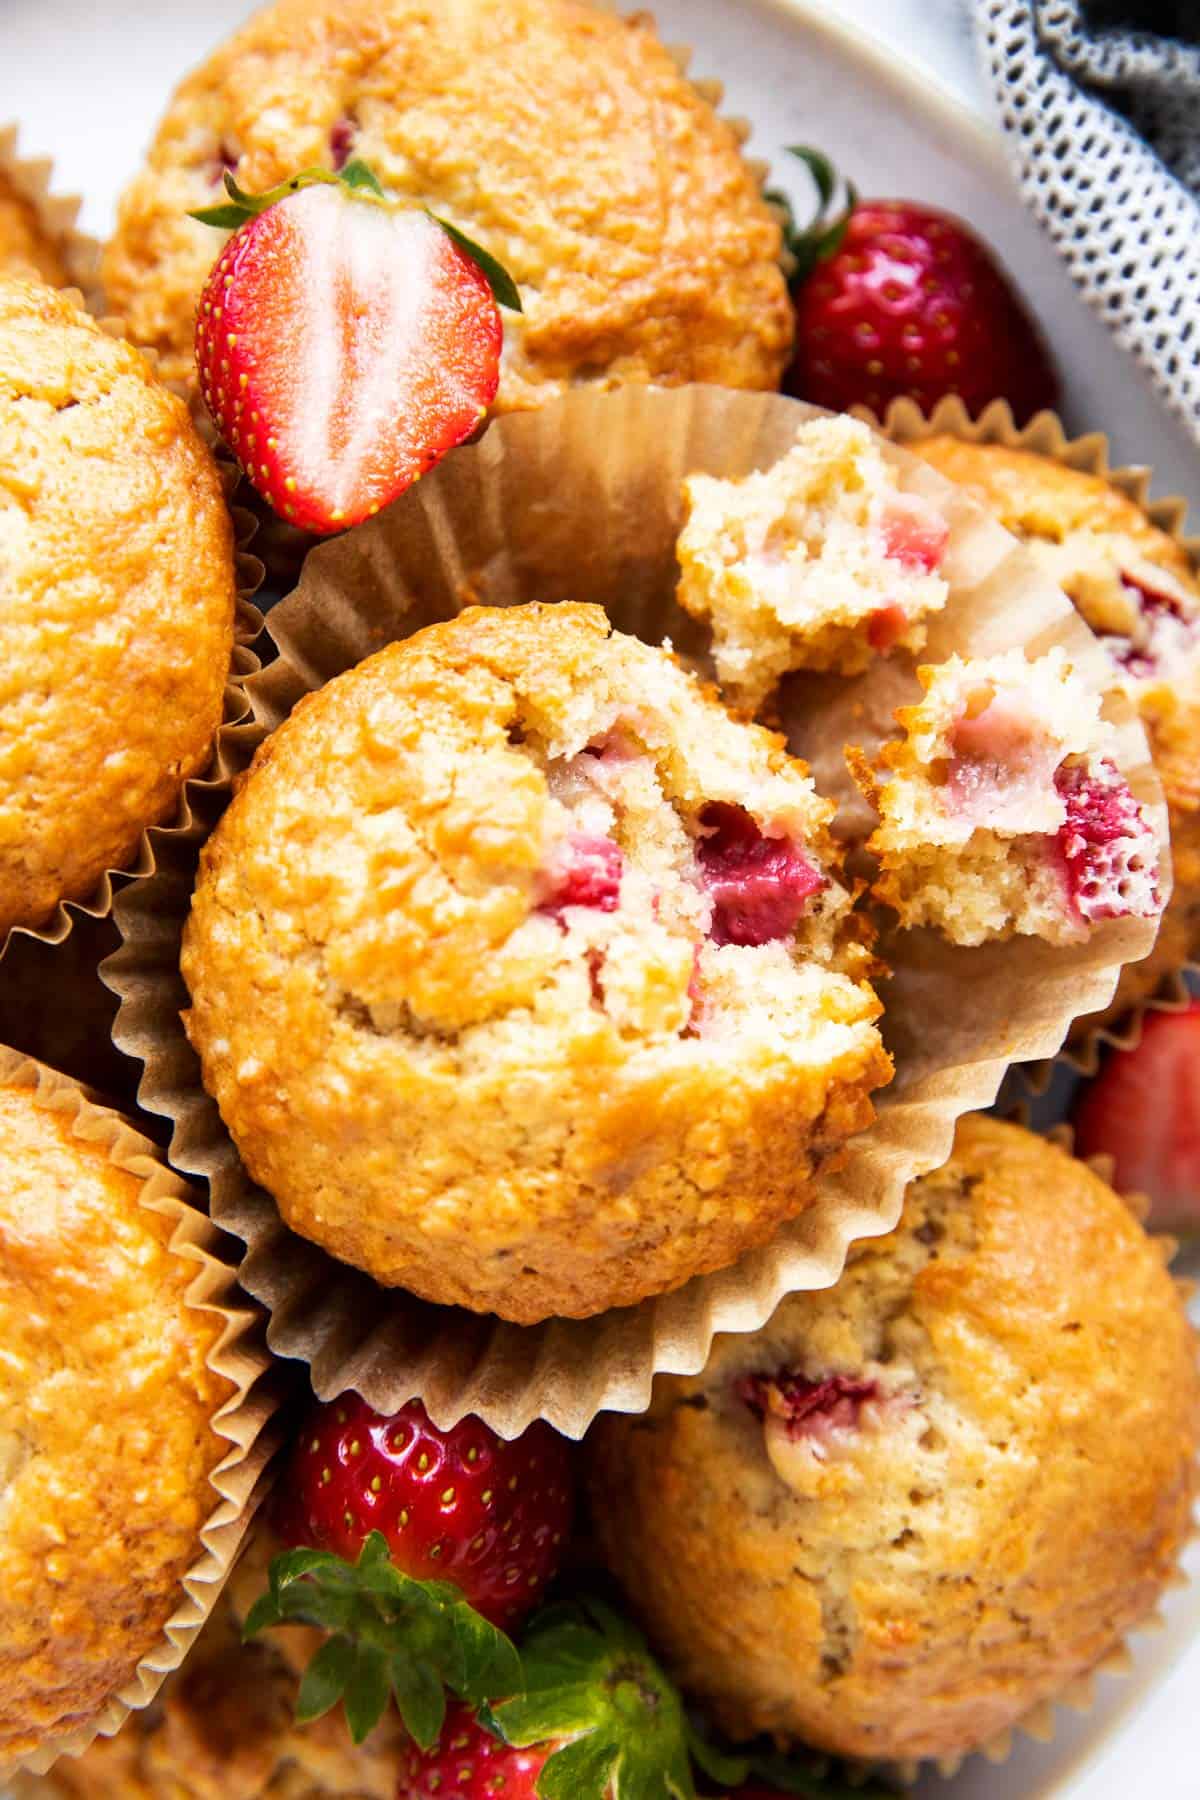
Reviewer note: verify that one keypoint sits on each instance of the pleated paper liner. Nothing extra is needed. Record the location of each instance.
(1121, 1025)
(52, 1005)
(246, 1419)
(32, 178)
(582, 499)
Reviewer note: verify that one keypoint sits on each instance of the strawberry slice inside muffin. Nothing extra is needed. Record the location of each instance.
(822, 562)
(759, 886)
(1002, 809)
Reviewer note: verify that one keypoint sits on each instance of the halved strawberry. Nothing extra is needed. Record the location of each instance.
(1143, 1110)
(344, 342)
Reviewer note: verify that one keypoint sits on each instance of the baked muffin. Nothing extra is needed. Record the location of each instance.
(26, 246)
(1139, 591)
(223, 1726)
(822, 561)
(117, 621)
(522, 973)
(106, 1442)
(559, 136)
(1002, 810)
(918, 1504)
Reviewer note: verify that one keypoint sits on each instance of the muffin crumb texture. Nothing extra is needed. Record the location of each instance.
(1002, 809)
(106, 1446)
(933, 1495)
(618, 200)
(822, 561)
(523, 974)
(26, 246)
(1139, 591)
(119, 592)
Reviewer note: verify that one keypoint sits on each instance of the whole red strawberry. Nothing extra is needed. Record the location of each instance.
(897, 298)
(459, 1505)
(344, 343)
(469, 1763)
(1143, 1110)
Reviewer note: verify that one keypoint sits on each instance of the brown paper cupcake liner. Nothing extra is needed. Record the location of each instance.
(583, 499)
(246, 1419)
(51, 1002)
(33, 178)
(906, 424)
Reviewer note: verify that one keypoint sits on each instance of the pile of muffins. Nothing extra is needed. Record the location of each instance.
(532, 974)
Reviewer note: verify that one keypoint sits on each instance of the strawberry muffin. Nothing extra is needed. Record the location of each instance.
(224, 1727)
(107, 1446)
(119, 593)
(822, 561)
(1002, 809)
(523, 974)
(933, 1495)
(26, 246)
(1139, 591)
(560, 137)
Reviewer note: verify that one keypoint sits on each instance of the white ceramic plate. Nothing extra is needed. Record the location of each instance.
(87, 83)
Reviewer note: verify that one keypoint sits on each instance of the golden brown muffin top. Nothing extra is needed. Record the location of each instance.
(224, 1728)
(1003, 1498)
(116, 623)
(451, 1070)
(26, 247)
(106, 1446)
(561, 137)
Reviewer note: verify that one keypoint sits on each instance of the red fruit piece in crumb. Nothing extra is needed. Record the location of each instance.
(343, 346)
(1109, 852)
(1143, 1110)
(886, 627)
(470, 1764)
(915, 534)
(585, 872)
(808, 1408)
(759, 886)
(460, 1505)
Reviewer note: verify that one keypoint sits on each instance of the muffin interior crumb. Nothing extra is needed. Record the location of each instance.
(819, 562)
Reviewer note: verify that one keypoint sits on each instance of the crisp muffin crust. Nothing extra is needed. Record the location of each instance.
(106, 1445)
(1087, 534)
(118, 601)
(26, 248)
(223, 1727)
(979, 1480)
(481, 993)
(561, 137)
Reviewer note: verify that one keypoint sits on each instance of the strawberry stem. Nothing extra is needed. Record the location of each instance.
(391, 1636)
(824, 235)
(359, 179)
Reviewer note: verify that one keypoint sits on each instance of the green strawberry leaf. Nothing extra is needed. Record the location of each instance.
(221, 218)
(726, 1769)
(357, 174)
(325, 1679)
(390, 1635)
(504, 289)
(420, 1699)
(820, 168)
(824, 235)
(367, 1691)
(592, 1688)
(580, 1770)
(488, 1663)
